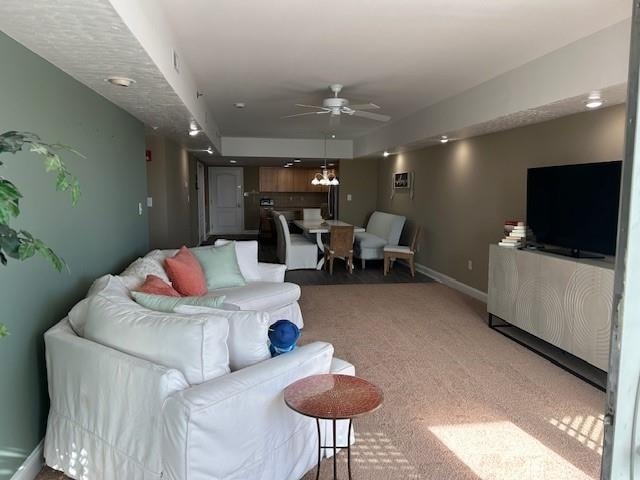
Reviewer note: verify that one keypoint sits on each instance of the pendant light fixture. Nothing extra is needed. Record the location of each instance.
(325, 178)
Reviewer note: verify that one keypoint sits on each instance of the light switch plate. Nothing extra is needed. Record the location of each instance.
(140, 208)
(149, 202)
(349, 198)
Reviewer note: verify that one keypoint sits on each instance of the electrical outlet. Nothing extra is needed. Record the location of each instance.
(470, 264)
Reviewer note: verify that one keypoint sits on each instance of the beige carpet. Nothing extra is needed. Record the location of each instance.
(461, 401)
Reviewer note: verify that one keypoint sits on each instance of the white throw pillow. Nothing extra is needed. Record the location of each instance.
(247, 254)
(161, 255)
(105, 284)
(248, 340)
(194, 344)
(136, 273)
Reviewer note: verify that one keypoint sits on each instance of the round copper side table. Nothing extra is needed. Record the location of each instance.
(333, 397)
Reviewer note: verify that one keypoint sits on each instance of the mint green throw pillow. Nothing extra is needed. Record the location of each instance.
(163, 303)
(220, 265)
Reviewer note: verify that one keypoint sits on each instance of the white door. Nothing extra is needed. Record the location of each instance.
(202, 214)
(226, 202)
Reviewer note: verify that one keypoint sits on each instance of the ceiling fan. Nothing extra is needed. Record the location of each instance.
(336, 106)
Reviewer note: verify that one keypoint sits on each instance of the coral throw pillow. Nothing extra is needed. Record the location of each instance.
(186, 274)
(156, 286)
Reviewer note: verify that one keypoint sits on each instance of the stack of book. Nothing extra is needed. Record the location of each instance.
(515, 234)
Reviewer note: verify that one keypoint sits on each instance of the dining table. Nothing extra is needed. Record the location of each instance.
(320, 227)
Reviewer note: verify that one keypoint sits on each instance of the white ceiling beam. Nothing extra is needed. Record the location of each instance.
(596, 62)
(286, 147)
(148, 24)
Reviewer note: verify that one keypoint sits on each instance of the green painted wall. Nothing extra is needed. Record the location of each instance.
(100, 235)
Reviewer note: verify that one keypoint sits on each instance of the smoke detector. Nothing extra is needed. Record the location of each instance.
(121, 81)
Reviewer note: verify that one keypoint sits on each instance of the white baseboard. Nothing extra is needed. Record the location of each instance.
(452, 282)
(32, 464)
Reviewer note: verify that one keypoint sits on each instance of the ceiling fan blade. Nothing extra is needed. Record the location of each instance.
(365, 106)
(307, 113)
(372, 116)
(334, 120)
(311, 106)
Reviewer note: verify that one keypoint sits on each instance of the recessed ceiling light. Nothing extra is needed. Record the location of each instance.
(240, 105)
(595, 100)
(193, 133)
(385, 154)
(233, 161)
(333, 135)
(444, 139)
(155, 127)
(286, 165)
(297, 160)
(121, 81)
(331, 164)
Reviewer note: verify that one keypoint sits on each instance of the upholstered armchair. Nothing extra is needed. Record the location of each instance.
(383, 229)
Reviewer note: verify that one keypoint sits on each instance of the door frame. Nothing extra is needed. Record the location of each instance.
(621, 459)
(201, 185)
(211, 173)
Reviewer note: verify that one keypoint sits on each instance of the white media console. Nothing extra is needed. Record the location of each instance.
(565, 301)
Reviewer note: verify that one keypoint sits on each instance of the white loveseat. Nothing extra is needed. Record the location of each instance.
(116, 414)
(383, 229)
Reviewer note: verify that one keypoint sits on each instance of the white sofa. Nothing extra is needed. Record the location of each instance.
(383, 229)
(266, 289)
(116, 414)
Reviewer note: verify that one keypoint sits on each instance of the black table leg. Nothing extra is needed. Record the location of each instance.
(319, 449)
(335, 449)
(349, 449)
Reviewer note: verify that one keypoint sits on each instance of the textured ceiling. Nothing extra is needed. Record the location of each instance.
(403, 55)
(88, 40)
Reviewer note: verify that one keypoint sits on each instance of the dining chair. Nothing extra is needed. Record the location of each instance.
(280, 245)
(341, 246)
(311, 214)
(392, 253)
(299, 252)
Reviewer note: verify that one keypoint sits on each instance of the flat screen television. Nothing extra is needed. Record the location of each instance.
(575, 207)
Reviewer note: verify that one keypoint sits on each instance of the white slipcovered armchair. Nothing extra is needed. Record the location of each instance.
(383, 229)
(115, 416)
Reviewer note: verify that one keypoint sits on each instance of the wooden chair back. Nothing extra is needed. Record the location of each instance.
(341, 240)
(415, 238)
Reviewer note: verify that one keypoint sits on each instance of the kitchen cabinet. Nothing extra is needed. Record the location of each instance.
(268, 179)
(284, 180)
(293, 179)
(302, 180)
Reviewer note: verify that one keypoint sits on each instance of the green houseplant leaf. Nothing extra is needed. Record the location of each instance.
(22, 245)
